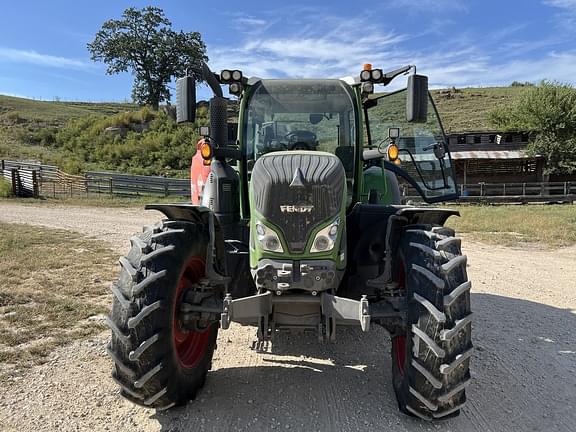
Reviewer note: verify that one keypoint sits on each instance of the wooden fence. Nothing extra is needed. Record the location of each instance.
(546, 192)
(24, 182)
(44, 172)
(50, 181)
(132, 185)
(63, 185)
(519, 192)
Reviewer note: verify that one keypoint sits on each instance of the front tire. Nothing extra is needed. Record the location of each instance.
(431, 356)
(157, 363)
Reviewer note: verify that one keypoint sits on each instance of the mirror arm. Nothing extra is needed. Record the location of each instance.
(389, 76)
(211, 80)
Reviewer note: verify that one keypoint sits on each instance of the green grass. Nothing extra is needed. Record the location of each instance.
(549, 225)
(467, 109)
(5, 188)
(55, 112)
(51, 283)
(102, 200)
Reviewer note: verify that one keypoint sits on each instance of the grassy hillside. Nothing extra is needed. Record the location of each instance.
(72, 134)
(466, 109)
(55, 113)
(461, 109)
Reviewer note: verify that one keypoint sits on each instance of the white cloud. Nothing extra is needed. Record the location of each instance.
(431, 5)
(338, 46)
(566, 4)
(33, 57)
(565, 19)
(250, 21)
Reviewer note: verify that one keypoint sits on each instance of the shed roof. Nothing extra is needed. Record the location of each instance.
(494, 154)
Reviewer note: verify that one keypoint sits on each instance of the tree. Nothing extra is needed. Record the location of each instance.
(143, 43)
(548, 112)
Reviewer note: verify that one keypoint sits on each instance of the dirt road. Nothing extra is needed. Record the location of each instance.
(524, 366)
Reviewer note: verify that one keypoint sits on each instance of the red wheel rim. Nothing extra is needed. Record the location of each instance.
(399, 347)
(399, 342)
(190, 346)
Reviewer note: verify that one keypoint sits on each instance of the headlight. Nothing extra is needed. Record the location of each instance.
(326, 238)
(268, 239)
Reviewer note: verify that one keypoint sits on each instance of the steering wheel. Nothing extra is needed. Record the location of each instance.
(300, 146)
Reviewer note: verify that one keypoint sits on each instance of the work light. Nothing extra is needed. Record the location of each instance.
(226, 75)
(367, 87)
(365, 75)
(376, 75)
(235, 88)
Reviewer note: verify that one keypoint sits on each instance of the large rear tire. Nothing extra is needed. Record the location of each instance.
(157, 363)
(431, 356)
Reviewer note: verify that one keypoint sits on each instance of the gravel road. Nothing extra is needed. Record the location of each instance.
(523, 369)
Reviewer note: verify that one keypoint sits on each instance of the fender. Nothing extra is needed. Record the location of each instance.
(377, 229)
(203, 216)
(406, 215)
(425, 215)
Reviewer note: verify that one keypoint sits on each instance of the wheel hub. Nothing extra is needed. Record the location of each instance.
(190, 345)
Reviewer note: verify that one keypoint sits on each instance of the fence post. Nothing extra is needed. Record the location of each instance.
(523, 189)
(14, 173)
(35, 184)
(504, 187)
(461, 190)
(165, 188)
(481, 188)
(565, 188)
(111, 185)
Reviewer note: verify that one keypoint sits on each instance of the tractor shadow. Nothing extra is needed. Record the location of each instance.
(523, 378)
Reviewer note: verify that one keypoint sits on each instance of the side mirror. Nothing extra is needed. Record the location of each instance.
(417, 99)
(185, 99)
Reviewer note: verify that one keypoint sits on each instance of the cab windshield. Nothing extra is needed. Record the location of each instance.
(423, 152)
(315, 115)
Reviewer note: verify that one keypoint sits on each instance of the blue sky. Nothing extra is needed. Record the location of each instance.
(456, 42)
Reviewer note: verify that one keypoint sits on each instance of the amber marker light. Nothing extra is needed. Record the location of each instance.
(392, 152)
(206, 151)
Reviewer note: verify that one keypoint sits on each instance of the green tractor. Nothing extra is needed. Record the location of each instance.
(301, 227)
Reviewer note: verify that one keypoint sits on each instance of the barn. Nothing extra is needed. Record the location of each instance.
(494, 157)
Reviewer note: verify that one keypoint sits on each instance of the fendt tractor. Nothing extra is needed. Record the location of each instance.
(300, 227)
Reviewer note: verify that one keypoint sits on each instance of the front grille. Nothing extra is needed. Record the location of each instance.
(287, 206)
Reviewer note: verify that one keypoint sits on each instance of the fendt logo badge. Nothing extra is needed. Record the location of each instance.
(296, 208)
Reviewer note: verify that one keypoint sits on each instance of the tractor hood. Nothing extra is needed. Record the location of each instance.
(297, 191)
